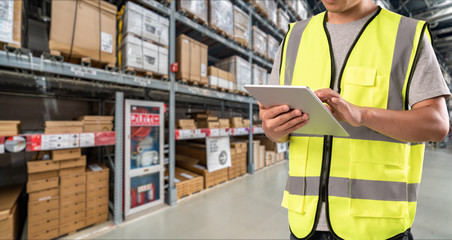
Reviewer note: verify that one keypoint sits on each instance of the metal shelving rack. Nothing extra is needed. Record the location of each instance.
(20, 68)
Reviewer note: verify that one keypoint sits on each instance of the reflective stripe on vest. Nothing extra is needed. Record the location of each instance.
(373, 179)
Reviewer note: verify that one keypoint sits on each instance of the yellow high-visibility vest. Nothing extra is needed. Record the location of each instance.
(369, 181)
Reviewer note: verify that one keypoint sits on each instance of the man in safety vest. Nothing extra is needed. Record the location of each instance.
(378, 74)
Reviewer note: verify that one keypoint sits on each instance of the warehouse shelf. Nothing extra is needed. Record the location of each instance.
(186, 134)
(44, 142)
(34, 64)
(293, 16)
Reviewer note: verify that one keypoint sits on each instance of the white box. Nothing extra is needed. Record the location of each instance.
(223, 83)
(218, 153)
(145, 23)
(213, 80)
(143, 55)
(240, 68)
(282, 147)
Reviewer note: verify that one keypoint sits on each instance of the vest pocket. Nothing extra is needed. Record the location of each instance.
(358, 85)
(294, 194)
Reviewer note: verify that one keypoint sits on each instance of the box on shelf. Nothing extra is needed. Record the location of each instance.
(210, 178)
(208, 124)
(272, 47)
(283, 20)
(66, 154)
(143, 56)
(270, 158)
(192, 58)
(262, 156)
(236, 122)
(220, 78)
(97, 184)
(197, 9)
(97, 123)
(145, 24)
(221, 16)
(240, 69)
(63, 127)
(246, 123)
(185, 124)
(9, 127)
(224, 122)
(256, 157)
(260, 6)
(70, 171)
(11, 23)
(37, 166)
(186, 182)
(259, 75)
(241, 31)
(72, 201)
(259, 41)
(213, 153)
(272, 11)
(269, 144)
(9, 212)
(76, 162)
(41, 181)
(74, 44)
(43, 214)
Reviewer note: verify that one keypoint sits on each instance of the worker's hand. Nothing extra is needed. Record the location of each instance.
(341, 109)
(279, 121)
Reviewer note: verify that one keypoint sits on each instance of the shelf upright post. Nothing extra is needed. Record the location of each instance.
(250, 136)
(172, 191)
(118, 181)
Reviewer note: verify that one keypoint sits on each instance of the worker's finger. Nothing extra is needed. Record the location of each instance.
(275, 111)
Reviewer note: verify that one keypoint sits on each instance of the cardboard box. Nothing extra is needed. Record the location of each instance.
(43, 195)
(240, 69)
(241, 31)
(283, 20)
(45, 234)
(99, 127)
(272, 47)
(221, 16)
(40, 226)
(72, 197)
(72, 213)
(246, 123)
(270, 157)
(224, 122)
(9, 127)
(42, 166)
(187, 182)
(38, 211)
(259, 41)
(96, 172)
(208, 124)
(42, 184)
(143, 56)
(66, 154)
(236, 122)
(262, 156)
(11, 22)
(192, 58)
(185, 124)
(197, 8)
(71, 226)
(76, 162)
(73, 183)
(214, 154)
(269, 144)
(9, 212)
(100, 46)
(145, 24)
(95, 118)
(70, 171)
(256, 157)
(210, 178)
(97, 218)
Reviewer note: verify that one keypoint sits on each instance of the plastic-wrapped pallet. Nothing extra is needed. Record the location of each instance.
(283, 20)
(259, 41)
(241, 31)
(272, 47)
(221, 16)
(260, 6)
(11, 22)
(292, 4)
(272, 11)
(197, 8)
(240, 68)
(145, 24)
(143, 55)
(259, 75)
(301, 10)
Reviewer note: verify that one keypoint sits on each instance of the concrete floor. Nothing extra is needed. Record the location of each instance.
(249, 208)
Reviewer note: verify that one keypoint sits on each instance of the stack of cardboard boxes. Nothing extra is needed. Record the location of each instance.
(238, 159)
(97, 123)
(63, 127)
(205, 120)
(186, 182)
(240, 68)
(9, 128)
(219, 78)
(185, 124)
(192, 58)
(9, 211)
(96, 193)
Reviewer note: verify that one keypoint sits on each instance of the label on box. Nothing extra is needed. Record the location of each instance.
(185, 175)
(214, 132)
(87, 140)
(240, 131)
(95, 167)
(199, 134)
(184, 134)
(106, 42)
(44, 198)
(203, 70)
(6, 20)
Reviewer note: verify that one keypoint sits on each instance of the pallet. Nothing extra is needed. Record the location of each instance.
(221, 32)
(6, 45)
(193, 16)
(84, 61)
(146, 40)
(144, 73)
(188, 195)
(213, 87)
(222, 89)
(260, 10)
(193, 83)
(242, 42)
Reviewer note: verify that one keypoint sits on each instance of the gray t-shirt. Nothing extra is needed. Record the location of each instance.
(427, 82)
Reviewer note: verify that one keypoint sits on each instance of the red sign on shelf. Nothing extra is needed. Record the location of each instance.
(34, 143)
(104, 138)
(143, 119)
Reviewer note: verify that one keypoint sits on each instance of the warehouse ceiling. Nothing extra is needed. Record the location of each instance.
(437, 12)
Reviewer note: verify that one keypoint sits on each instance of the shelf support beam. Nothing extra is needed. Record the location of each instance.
(118, 170)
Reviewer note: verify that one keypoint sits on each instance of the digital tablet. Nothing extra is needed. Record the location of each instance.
(321, 121)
